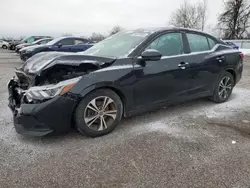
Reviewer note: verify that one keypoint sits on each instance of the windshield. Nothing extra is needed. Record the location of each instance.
(118, 45)
(25, 39)
(54, 41)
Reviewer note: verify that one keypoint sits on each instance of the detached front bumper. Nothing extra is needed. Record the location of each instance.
(54, 115)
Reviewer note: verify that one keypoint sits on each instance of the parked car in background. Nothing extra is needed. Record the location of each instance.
(29, 39)
(4, 44)
(127, 73)
(243, 44)
(233, 45)
(37, 42)
(62, 44)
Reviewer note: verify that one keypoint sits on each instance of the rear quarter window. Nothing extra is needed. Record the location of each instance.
(211, 42)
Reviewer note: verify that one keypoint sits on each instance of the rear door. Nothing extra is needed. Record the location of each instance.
(79, 45)
(204, 69)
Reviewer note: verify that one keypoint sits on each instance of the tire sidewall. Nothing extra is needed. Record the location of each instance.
(216, 97)
(79, 113)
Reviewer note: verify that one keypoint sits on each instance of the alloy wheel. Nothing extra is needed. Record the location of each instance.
(100, 113)
(225, 87)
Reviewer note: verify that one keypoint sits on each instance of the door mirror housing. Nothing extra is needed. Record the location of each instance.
(151, 55)
(59, 45)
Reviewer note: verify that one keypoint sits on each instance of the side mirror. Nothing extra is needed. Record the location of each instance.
(151, 55)
(59, 45)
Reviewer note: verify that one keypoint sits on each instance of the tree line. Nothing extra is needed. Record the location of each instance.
(232, 23)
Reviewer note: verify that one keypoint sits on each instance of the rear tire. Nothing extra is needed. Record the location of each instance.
(98, 113)
(4, 47)
(223, 88)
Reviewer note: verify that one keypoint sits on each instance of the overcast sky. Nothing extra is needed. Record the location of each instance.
(55, 17)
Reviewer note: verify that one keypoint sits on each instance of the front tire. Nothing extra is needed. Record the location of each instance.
(223, 88)
(98, 113)
(4, 47)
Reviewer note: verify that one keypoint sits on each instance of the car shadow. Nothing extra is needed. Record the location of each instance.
(127, 124)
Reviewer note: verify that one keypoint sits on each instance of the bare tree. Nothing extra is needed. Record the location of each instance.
(96, 37)
(202, 11)
(235, 20)
(115, 30)
(190, 15)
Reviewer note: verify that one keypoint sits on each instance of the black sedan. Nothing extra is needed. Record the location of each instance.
(130, 72)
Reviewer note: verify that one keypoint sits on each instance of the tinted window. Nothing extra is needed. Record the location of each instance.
(197, 43)
(79, 41)
(168, 44)
(67, 42)
(212, 43)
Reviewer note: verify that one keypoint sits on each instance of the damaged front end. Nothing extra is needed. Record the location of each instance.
(39, 88)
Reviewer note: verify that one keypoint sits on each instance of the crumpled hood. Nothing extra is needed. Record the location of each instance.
(44, 60)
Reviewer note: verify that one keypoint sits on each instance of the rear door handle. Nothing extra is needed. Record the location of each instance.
(220, 58)
(183, 65)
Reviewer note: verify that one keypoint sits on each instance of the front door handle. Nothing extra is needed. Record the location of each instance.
(183, 65)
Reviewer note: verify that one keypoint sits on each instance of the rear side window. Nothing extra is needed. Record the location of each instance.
(169, 44)
(212, 42)
(79, 41)
(197, 43)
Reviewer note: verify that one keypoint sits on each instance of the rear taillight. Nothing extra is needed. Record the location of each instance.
(242, 56)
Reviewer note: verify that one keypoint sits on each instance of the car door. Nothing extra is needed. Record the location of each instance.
(64, 45)
(204, 69)
(166, 79)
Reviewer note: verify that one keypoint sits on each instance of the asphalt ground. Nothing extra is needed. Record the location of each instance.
(193, 144)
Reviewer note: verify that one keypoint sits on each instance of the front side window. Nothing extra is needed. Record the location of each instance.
(66, 42)
(169, 44)
(197, 43)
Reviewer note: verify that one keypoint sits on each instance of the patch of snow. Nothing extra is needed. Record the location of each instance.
(245, 51)
(245, 121)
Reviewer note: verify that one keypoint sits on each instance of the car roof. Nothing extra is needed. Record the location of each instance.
(162, 29)
(69, 37)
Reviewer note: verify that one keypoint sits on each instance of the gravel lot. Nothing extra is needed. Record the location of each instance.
(194, 144)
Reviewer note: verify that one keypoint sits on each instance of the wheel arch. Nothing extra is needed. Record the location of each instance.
(232, 72)
(116, 90)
